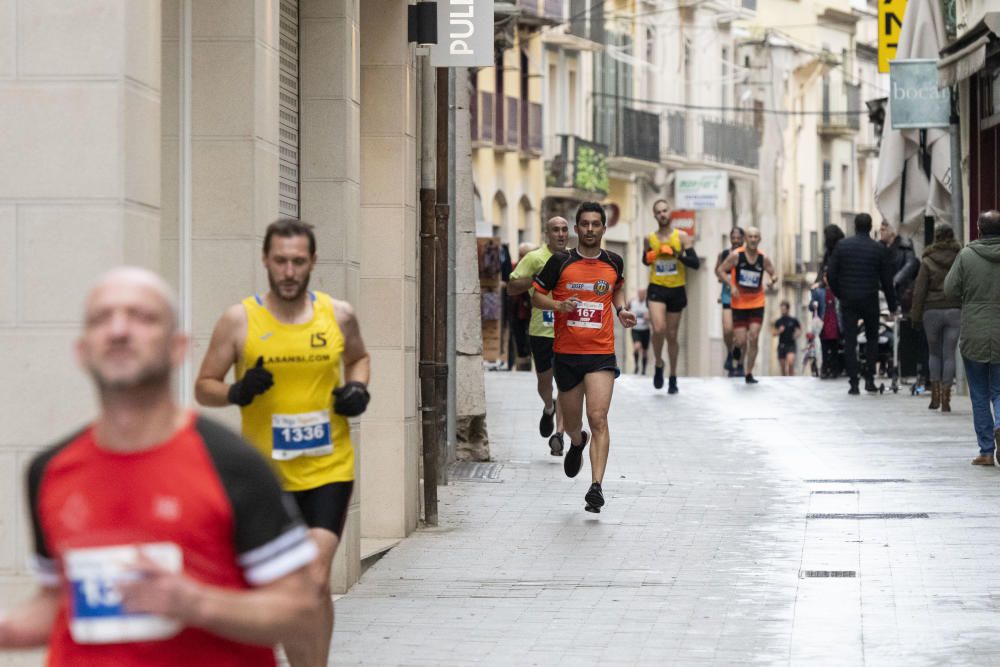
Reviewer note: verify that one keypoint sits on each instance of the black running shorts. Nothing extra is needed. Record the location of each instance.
(744, 317)
(541, 352)
(640, 336)
(784, 349)
(325, 506)
(570, 369)
(675, 298)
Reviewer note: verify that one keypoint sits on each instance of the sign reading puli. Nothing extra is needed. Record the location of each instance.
(915, 100)
(700, 189)
(465, 34)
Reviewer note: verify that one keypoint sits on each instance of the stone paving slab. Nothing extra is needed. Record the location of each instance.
(721, 500)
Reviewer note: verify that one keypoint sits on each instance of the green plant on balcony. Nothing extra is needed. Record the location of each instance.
(591, 170)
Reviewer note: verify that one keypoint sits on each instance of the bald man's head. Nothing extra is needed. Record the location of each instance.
(557, 233)
(130, 335)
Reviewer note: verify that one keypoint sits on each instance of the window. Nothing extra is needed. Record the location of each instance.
(501, 102)
(826, 187)
(288, 110)
(845, 188)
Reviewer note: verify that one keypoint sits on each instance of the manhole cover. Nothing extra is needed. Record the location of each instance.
(827, 574)
(880, 515)
(464, 471)
(857, 481)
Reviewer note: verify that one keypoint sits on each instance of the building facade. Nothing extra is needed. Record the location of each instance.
(168, 134)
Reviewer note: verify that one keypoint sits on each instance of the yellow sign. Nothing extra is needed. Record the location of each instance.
(890, 25)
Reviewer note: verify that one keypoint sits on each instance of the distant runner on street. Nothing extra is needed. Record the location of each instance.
(733, 364)
(541, 331)
(787, 329)
(668, 254)
(744, 271)
(582, 286)
(640, 332)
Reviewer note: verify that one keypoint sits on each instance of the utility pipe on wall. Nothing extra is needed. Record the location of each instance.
(184, 214)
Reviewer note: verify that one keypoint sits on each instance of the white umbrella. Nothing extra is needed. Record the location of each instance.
(922, 36)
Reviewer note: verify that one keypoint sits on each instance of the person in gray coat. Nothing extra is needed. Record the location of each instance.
(938, 314)
(974, 279)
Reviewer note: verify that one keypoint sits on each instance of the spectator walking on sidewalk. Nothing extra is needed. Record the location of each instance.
(974, 278)
(938, 314)
(858, 267)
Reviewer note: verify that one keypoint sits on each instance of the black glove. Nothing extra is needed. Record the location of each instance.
(255, 382)
(351, 399)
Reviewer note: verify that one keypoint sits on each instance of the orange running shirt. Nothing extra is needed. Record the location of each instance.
(749, 278)
(590, 329)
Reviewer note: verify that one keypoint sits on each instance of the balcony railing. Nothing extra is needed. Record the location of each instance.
(628, 132)
(730, 143)
(842, 120)
(531, 128)
(547, 9)
(676, 129)
(579, 164)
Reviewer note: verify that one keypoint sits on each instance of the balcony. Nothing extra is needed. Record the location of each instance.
(540, 12)
(836, 123)
(579, 170)
(730, 143)
(630, 134)
(676, 131)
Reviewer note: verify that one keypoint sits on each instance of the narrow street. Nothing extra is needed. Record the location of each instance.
(784, 523)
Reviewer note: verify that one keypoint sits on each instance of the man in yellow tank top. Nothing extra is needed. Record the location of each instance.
(668, 253)
(288, 346)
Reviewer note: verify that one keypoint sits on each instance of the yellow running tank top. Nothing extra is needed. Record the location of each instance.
(667, 271)
(293, 424)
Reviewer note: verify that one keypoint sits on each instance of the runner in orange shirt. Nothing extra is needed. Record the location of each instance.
(582, 286)
(744, 271)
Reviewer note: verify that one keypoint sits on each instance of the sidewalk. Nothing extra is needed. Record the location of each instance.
(783, 523)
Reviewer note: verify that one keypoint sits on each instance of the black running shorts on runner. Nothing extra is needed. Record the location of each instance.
(325, 506)
(675, 298)
(640, 336)
(541, 352)
(744, 317)
(570, 369)
(784, 350)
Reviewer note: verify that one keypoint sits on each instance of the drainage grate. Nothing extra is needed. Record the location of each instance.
(881, 515)
(857, 481)
(834, 493)
(465, 471)
(827, 574)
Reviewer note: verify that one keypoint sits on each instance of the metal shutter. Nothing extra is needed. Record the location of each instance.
(288, 111)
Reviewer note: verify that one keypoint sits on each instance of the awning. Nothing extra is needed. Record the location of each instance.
(967, 55)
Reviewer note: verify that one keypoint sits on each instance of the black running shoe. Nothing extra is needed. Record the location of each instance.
(672, 384)
(658, 377)
(750, 379)
(556, 444)
(574, 457)
(547, 423)
(594, 499)
(870, 386)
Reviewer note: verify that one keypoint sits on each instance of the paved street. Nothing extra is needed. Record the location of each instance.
(785, 523)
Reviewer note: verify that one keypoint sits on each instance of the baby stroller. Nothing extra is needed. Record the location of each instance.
(887, 361)
(809, 364)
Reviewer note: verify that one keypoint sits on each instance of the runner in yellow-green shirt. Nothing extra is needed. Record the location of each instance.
(541, 332)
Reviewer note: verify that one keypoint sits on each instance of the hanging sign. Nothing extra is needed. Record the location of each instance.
(465, 34)
(890, 25)
(700, 189)
(915, 100)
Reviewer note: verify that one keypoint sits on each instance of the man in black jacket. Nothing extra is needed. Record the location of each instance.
(857, 269)
(903, 263)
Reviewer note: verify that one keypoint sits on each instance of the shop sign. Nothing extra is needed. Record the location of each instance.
(890, 25)
(465, 34)
(701, 189)
(915, 100)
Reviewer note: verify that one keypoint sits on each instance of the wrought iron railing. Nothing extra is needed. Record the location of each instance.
(731, 143)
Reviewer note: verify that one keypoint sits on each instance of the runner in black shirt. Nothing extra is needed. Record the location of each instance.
(787, 329)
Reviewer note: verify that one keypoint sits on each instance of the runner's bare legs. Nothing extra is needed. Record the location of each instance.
(571, 412)
(598, 388)
(673, 324)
